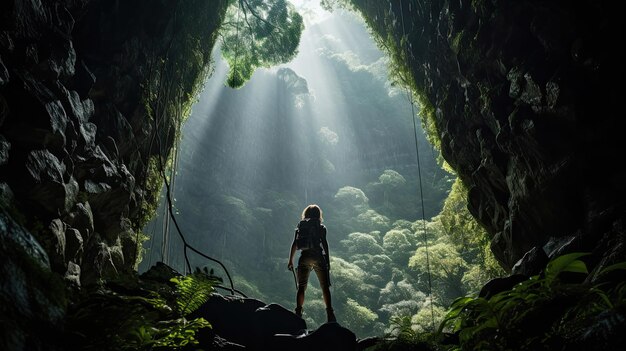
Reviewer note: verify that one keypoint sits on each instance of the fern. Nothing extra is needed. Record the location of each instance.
(193, 291)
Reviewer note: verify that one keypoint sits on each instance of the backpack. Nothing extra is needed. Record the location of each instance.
(309, 235)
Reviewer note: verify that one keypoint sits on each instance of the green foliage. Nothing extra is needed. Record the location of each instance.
(360, 318)
(371, 216)
(402, 336)
(193, 291)
(445, 263)
(181, 333)
(349, 196)
(174, 79)
(401, 299)
(422, 321)
(170, 335)
(151, 318)
(370, 220)
(391, 179)
(360, 242)
(545, 310)
(258, 33)
(140, 250)
(469, 238)
(152, 189)
(397, 246)
(402, 328)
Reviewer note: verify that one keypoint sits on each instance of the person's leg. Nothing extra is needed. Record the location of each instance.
(300, 300)
(303, 278)
(322, 275)
(330, 314)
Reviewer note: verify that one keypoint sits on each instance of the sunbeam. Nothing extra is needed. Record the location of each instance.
(325, 128)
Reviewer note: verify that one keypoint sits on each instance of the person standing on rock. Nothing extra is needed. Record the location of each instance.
(310, 239)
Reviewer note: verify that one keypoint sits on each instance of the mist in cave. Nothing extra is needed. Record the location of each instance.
(328, 128)
(156, 158)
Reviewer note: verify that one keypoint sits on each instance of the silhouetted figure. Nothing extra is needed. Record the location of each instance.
(310, 239)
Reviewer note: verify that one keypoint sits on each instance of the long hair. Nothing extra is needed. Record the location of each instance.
(313, 211)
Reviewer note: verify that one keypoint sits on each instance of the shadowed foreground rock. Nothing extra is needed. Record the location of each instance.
(256, 326)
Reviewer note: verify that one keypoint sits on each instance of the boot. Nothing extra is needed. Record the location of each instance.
(299, 311)
(330, 315)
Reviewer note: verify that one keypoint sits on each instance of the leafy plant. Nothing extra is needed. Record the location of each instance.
(537, 313)
(118, 318)
(404, 337)
(181, 333)
(401, 327)
(193, 291)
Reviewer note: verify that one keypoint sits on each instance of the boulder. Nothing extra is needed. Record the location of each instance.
(4, 73)
(532, 263)
(43, 182)
(160, 273)
(74, 245)
(4, 110)
(329, 336)
(258, 326)
(81, 218)
(72, 276)
(274, 319)
(53, 240)
(30, 294)
(78, 110)
(5, 146)
(365, 343)
(218, 343)
(37, 118)
(56, 56)
(130, 246)
(99, 260)
(6, 196)
(231, 317)
(498, 285)
(83, 80)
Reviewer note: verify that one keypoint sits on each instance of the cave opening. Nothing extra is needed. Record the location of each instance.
(522, 99)
(329, 127)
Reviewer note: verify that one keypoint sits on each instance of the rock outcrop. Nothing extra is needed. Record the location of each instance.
(76, 140)
(77, 143)
(258, 326)
(524, 98)
(33, 298)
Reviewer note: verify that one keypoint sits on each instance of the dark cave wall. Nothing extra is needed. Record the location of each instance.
(76, 143)
(526, 101)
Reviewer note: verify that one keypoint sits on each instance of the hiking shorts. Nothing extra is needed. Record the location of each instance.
(310, 259)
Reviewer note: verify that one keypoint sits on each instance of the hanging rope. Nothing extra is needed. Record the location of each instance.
(166, 244)
(168, 188)
(419, 173)
(170, 207)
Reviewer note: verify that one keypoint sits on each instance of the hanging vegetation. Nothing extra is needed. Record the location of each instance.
(258, 34)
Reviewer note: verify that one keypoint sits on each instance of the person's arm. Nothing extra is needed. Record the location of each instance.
(325, 247)
(292, 252)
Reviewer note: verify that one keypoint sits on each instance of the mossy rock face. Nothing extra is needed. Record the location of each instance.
(521, 98)
(32, 297)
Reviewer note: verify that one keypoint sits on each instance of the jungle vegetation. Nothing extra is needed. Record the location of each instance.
(243, 182)
(256, 34)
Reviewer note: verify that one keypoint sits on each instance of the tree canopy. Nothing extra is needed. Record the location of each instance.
(259, 33)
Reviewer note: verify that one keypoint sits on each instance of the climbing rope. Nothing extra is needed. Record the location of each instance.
(419, 173)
